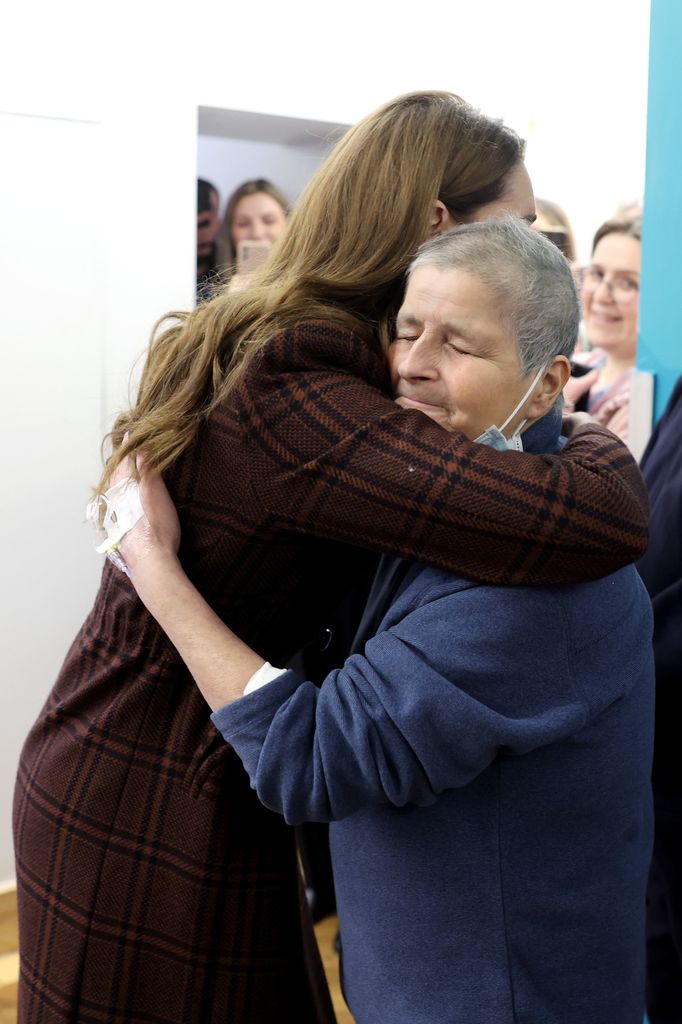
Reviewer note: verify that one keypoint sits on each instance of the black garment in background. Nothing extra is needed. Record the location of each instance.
(661, 570)
(329, 651)
(578, 370)
(664, 919)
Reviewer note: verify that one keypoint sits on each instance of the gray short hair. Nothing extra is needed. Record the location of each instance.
(528, 275)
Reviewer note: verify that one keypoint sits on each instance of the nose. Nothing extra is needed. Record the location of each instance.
(418, 361)
(257, 232)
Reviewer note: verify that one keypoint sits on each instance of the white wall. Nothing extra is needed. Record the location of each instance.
(97, 205)
(570, 77)
(98, 216)
(51, 402)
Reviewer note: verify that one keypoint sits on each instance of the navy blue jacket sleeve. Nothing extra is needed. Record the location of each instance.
(661, 567)
(433, 701)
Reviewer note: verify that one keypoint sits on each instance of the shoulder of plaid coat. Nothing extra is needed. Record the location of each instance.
(332, 456)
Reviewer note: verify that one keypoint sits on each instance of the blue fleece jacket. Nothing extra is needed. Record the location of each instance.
(486, 767)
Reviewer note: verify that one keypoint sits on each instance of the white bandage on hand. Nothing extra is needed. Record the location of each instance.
(122, 509)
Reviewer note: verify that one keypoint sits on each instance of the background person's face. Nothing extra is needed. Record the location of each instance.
(257, 218)
(610, 295)
(454, 358)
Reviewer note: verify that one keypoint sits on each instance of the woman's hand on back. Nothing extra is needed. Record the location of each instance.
(219, 661)
(576, 387)
(155, 538)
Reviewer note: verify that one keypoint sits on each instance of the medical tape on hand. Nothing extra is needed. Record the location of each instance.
(123, 508)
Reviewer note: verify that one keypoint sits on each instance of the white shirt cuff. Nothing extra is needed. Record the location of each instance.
(265, 674)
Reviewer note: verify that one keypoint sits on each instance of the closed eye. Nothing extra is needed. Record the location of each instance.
(456, 347)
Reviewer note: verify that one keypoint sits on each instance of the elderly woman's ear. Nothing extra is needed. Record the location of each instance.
(549, 387)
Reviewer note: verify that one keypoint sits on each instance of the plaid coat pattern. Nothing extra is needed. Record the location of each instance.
(153, 887)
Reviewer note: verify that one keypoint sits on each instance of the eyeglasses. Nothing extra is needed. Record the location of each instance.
(623, 287)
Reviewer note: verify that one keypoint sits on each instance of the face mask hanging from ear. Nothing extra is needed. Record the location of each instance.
(494, 436)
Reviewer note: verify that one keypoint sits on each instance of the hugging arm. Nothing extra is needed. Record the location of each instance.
(334, 457)
(420, 712)
(342, 462)
(412, 717)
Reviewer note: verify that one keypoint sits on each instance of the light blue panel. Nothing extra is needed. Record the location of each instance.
(660, 340)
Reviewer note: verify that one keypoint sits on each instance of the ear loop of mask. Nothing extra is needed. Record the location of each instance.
(511, 416)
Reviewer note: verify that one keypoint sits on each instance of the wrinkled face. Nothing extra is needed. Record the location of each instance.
(454, 357)
(208, 222)
(610, 295)
(257, 218)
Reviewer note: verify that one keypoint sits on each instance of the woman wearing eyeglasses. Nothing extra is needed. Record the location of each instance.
(610, 296)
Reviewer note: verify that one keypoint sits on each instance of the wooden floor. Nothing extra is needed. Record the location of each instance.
(9, 961)
(326, 933)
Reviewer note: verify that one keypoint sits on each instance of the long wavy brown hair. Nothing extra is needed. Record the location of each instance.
(342, 258)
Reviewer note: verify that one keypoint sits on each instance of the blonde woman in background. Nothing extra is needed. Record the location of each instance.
(257, 212)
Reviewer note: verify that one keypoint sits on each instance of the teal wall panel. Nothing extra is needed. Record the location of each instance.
(660, 340)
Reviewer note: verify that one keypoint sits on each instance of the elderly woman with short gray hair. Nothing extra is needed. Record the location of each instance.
(484, 757)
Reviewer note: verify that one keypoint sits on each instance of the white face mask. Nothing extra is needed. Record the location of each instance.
(494, 436)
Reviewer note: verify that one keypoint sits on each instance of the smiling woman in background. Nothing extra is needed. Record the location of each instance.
(610, 296)
(255, 212)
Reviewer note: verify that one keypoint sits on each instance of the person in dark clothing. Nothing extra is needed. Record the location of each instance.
(208, 223)
(661, 570)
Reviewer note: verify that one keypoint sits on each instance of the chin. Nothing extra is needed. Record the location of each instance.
(442, 421)
(603, 339)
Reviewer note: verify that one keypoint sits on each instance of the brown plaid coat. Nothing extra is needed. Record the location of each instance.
(153, 887)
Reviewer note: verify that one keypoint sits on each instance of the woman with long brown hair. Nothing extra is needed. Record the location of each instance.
(152, 884)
